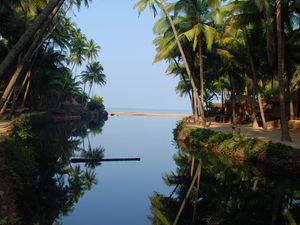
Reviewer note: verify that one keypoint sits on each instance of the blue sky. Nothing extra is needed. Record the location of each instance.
(127, 54)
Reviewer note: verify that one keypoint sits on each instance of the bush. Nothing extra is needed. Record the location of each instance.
(21, 157)
(219, 137)
(22, 127)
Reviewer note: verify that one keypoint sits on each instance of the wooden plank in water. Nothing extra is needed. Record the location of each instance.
(83, 160)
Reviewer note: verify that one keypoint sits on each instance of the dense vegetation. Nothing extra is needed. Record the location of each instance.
(41, 50)
(229, 48)
(277, 158)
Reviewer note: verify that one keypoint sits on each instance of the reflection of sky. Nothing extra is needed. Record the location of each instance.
(121, 195)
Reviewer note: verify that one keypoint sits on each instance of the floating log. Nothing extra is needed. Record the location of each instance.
(83, 160)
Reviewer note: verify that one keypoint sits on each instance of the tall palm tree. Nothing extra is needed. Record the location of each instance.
(94, 74)
(28, 34)
(285, 136)
(92, 50)
(141, 5)
(78, 51)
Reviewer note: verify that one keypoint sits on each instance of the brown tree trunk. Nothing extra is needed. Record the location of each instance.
(26, 92)
(270, 39)
(285, 136)
(255, 83)
(233, 99)
(3, 109)
(27, 36)
(202, 114)
(181, 52)
(254, 120)
(27, 57)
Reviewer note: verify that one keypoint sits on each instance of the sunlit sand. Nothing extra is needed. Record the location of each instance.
(148, 114)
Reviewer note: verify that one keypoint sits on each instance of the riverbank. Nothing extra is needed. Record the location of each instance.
(271, 134)
(278, 158)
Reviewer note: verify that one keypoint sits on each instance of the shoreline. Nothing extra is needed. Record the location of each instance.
(149, 114)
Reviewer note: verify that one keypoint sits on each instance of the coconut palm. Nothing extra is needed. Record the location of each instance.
(285, 136)
(93, 74)
(141, 5)
(92, 50)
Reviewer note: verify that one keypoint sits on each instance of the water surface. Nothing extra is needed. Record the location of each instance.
(121, 195)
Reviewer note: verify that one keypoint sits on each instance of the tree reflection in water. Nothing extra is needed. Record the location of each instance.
(230, 193)
(54, 185)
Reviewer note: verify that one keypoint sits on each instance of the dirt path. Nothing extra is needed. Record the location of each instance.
(5, 127)
(273, 134)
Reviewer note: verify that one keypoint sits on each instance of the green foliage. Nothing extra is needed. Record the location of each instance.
(22, 127)
(199, 136)
(219, 137)
(21, 157)
(97, 102)
(178, 128)
(280, 151)
(10, 221)
(275, 155)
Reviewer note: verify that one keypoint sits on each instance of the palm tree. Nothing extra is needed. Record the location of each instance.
(141, 5)
(48, 12)
(285, 136)
(197, 22)
(92, 50)
(93, 74)
(78, 50)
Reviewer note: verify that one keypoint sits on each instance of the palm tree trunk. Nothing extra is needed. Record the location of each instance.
(48, 12)
(91, 85)
(254, 120)
(185, 82)
(53, 28)
(182, 53)
(18, 91)
(270, 39)
(233, 99)
(3, 109)
(26, 91)
(292, 111)
(255, 83)
(27, 57)
(202, 114)
(285, 136)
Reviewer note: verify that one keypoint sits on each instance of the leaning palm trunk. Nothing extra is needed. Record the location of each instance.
(2, 111)
(195, 90)
(255, 83)
(27, 57)
(27, 36)
(285, 136)
(18, 92)
(26, 91)
(54, 27)
(202, 114)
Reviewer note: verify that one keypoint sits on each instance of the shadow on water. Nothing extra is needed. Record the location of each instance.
(230, 193)
(49, 185)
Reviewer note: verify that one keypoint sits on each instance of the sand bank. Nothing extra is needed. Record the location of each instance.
(148, 114)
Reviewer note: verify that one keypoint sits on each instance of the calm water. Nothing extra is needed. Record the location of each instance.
(149, 191)
(122, 193)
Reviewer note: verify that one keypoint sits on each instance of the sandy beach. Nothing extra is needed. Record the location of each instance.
(148, 114)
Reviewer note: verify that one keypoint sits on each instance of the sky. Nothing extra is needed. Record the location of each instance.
(127, 53)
